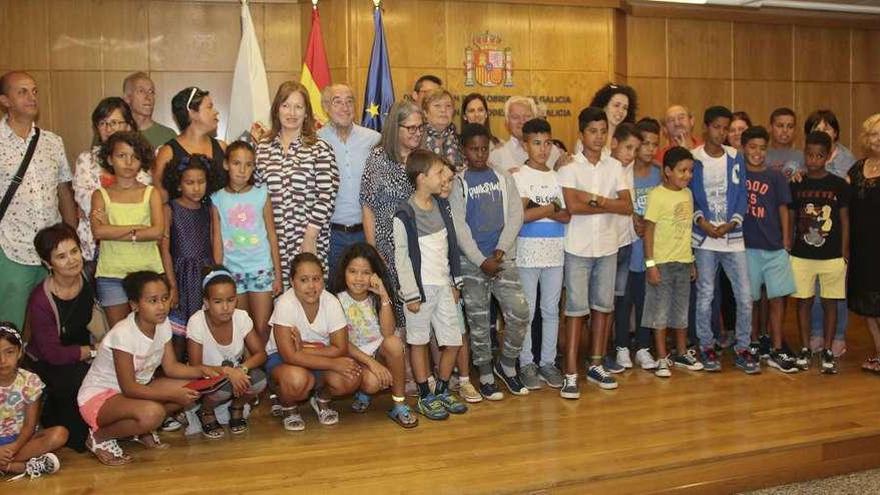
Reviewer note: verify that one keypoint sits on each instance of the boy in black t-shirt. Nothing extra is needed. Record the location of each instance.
(821, 244)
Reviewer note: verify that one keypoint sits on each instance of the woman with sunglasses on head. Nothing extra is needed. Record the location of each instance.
(197, 118)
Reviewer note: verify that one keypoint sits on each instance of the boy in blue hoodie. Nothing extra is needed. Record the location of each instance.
(429, 272)
(720, 200)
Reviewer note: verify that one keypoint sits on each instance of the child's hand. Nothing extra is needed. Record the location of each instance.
(499, 255)
(796, 177)
(277, 286)
(309, 245)
(239, 379)
(382, 373)
(414, 307)
(185, 396)
(377, 287)
(653, 274)
(693, 272)
(491, 266)
(175, 297)
(347, 366)
(724, 228)
(708, 228)
(6, 455)
(639, 225)
(258, 130)
(456, 295)
(210, 371)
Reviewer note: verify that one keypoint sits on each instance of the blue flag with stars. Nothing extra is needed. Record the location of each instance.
(379, 95)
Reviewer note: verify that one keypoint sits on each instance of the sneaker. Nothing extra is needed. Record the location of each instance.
(765, 345)
(688, 361)
(611, 365)
(645, 359)
(38, 466)
(755, 349)
(569, 388)
(490, 391)
(454, 383)
(711, 361)
(747, 362)
(528, 375)
(431, 407)
(663, 370)
(803, 359)
(511, 382)
(451, 403)
(597, 374)
(623, 358)
(782, 361)
(276, 408)
(171, 424)
(829, 362)
(550, 375)
(469, 393)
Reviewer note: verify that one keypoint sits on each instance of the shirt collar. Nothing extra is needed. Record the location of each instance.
(7, 133)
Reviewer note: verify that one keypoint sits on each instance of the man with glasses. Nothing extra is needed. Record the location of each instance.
(139, 92)
(351, 144)
(44, 198)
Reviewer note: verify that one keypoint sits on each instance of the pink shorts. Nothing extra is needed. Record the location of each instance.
(89, 411)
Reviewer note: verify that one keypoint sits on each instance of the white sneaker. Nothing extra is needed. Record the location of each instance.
(623, 358)
(645, 360)
(663, 370)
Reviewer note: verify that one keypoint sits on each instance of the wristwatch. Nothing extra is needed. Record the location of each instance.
(594, 201)
(650, 263)
(244, 369)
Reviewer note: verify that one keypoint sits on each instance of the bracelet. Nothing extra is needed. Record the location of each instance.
(244, 368)
(386, 302)
(133, 235)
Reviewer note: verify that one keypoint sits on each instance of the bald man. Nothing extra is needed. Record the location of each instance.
(678, 127)
(351, 144)
(44, 198)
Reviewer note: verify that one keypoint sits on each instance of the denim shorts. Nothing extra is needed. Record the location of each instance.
(589, 284)
(275, 360)
(258, 281)
(771, 269)
(110, 291)
(666, 304)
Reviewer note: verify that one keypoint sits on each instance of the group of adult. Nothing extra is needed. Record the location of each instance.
(329, 186)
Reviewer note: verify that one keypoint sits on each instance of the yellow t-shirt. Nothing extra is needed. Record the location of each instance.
(672, 213)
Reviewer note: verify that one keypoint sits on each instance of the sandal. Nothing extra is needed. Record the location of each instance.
(872, 365)
(210, 429)
(108, 452)
(150, 441)
(293, 420)
(237, 424)
(360, 403)
(326, 416)
(403, 415)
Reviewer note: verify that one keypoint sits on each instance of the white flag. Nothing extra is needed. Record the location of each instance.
(250, 90)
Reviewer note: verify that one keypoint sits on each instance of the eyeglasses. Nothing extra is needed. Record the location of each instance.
(414, 129)
(111, 124)
(342, 102)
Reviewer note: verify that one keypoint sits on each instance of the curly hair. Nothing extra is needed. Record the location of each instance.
(143, 150)
(369, 253)
(173, 174)
(605, 93)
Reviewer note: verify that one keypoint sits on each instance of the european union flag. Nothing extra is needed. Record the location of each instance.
(379, 95)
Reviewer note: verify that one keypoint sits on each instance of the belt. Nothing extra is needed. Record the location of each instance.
(358, 227)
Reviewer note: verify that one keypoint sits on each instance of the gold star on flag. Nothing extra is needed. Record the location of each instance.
(373, 110)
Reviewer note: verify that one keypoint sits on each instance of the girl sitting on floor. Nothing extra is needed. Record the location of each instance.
(308, 347)
(218, 336)
(361, 284)
(119, 397)
(23, 449)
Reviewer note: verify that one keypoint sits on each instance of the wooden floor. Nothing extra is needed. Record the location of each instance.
(693, 433)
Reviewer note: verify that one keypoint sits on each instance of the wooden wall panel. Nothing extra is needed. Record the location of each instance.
(646, 46)
(760, 98)
(652, 94)
(44, 87)
(866, 56)
(580, 86)
(284, 49)
(570, 38)
(75, 126)
(24, 45)
(762, 51)
(866, 102)
(821, 54)
(810, 96)
(335, 25)
(411, 31)
(465, 20)
(700, 49)
(699, 94)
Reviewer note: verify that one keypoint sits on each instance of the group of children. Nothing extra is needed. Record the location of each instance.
(620, 233)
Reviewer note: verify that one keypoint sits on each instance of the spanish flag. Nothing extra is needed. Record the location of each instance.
(316, 70)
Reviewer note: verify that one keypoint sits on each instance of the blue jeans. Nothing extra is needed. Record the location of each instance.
(551, 290)
(339, 241)
(816, 318)
(737, 270)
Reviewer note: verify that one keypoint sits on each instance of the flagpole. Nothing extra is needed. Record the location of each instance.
(377, 3)
(315, 4)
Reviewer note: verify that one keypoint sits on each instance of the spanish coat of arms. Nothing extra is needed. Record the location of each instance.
(486, 63)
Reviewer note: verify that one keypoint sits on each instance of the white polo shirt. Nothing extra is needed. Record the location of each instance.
(592, 236)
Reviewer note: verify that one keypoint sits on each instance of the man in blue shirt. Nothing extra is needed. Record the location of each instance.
(351, 144)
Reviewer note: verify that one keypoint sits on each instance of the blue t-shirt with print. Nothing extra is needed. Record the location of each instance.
(485, 208)
(766, 190)
(641, 187)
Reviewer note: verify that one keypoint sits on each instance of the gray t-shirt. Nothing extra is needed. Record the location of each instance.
(432, 244)
(785, 160)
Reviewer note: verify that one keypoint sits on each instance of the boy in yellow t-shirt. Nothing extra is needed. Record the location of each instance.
(668, 256)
